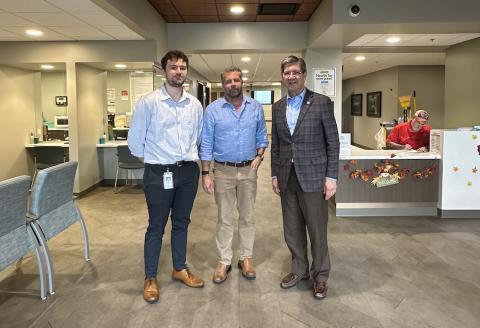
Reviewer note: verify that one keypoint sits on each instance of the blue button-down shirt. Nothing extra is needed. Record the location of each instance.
(230, 136)
(164, 131)
(294, 104)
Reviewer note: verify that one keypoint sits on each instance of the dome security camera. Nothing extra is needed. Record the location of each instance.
(354, 10)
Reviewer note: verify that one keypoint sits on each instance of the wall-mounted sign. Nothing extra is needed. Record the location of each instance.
(324, 81)
(124, 94)
(61, 100)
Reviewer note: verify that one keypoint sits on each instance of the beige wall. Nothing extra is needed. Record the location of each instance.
(53, 84)
(429, 84)
(363, 128)
(462, 81)
(120, 80)
(427, 81)
(17, 109)
(91, 101)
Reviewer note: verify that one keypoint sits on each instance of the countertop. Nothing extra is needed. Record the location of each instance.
(63, 144)
(359, 153)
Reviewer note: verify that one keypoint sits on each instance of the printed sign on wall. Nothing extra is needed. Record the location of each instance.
(324, 81)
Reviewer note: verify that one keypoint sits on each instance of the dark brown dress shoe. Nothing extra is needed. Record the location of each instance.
(248, 271)
(292, 279)
(320, 289)
(150, 290)
(221, 273)
(187, 278)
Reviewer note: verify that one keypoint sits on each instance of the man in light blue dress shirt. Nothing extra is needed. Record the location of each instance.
(234, 136)
(165, 134)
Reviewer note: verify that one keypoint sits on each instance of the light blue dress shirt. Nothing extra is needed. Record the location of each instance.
(230, 136)
(294, 105)
(164, 131)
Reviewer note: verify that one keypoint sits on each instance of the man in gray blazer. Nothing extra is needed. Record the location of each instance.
(305, 149)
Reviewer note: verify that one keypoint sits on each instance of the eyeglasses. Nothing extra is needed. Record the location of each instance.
(294, 73)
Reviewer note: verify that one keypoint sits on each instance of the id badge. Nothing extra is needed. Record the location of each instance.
(168, 180)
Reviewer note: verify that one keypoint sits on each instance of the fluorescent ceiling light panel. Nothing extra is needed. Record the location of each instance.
(237, 10)
(120, 65)
(34, 32)
(360, 58)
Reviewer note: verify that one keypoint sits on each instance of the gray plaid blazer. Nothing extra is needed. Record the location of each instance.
(314, 145)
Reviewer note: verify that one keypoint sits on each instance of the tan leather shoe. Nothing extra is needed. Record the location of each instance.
(187, 278)
(246, 265)
(150, 290)
(221, 273)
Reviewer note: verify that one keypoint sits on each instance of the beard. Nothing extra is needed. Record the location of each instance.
(234, 93)
(176, 81)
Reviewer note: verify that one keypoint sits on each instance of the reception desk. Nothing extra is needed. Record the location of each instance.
(387, 183)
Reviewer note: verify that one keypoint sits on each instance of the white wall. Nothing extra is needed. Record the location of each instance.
(17, 109)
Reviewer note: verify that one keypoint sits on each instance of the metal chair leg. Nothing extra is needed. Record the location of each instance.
(116, 178)
(39, 258)
(43, 243)
(86, 244)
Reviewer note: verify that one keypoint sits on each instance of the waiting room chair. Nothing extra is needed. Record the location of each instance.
(52, 209)
(45, 157)
(16, 235)
(127, 162)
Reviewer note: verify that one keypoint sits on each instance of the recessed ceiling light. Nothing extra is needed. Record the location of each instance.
(120, 65)
(360, 58)
(219, 84)
(245, 71)
(237, 10)
(276, 83)
(34, 32)
(393, 39)
(245, 78)
(245, 59)
(46, 66)
(139, 72)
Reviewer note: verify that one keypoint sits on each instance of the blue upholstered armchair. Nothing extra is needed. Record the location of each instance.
(53, 209)
(16, 236)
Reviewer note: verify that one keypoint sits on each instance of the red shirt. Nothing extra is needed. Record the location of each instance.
(403, 134)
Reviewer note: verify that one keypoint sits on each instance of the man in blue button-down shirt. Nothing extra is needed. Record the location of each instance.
(234, 136)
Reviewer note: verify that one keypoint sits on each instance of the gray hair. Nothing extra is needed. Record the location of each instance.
(229, 69)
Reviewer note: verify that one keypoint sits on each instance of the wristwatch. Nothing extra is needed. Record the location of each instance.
(205, 173)
(260, 155)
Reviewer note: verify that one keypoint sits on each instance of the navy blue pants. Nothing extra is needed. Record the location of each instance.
(161, 203)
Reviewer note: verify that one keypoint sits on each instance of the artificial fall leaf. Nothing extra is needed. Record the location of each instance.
(455, 169)
(346, 167)
(474, 136)
(474, 170)
(469, 183)
(353, 162)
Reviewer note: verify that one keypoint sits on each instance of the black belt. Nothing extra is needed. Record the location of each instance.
(179, 163)
(241, 164)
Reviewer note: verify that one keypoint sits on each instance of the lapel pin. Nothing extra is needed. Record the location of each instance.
(308, 103)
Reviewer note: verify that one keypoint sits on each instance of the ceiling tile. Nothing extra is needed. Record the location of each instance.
(200, 19)
(10, 36)
(82, 32)
(196, 8)
(237, 18)
(173, 19)
(154, 2)
(96, 17)
(120, 32)
(48, 34)
(237, 1)
(274, 18)
(250, 9)
(12, 20)
(307, 8)
(166, 9)
(53, 19)
(19, 6)
(302, 18)
(75, 5)
(280, 1)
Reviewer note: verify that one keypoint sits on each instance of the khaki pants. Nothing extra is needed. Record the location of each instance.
(235, 186)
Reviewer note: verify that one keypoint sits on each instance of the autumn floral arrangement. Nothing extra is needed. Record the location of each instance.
(385, 172)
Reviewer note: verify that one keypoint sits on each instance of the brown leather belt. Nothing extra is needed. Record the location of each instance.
(240, 164)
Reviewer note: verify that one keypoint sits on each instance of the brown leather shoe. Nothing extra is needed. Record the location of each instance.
(187, 278)
(221, 273)
(292, 279)
(150, 290)
(320, 289)
(246, 265)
